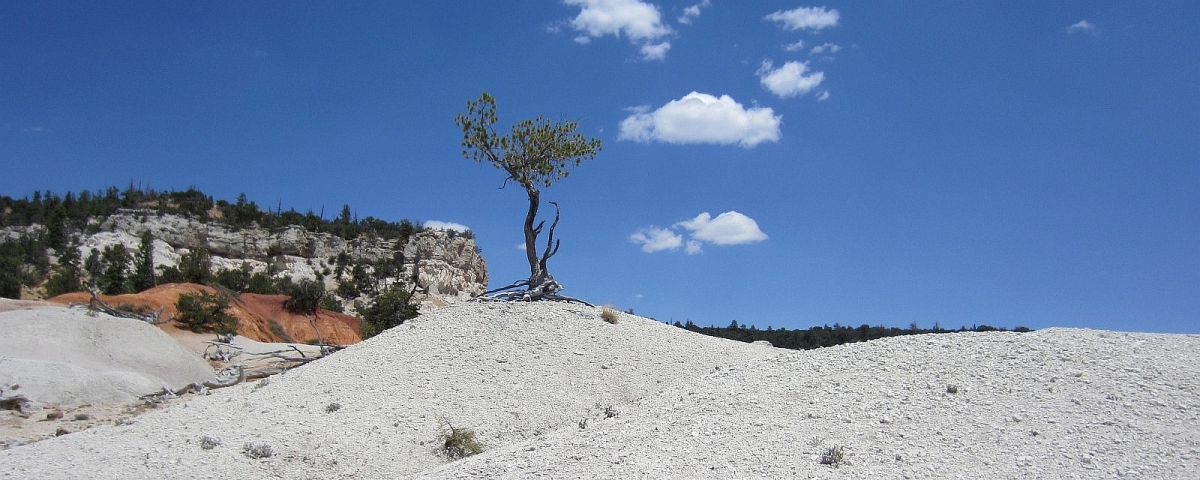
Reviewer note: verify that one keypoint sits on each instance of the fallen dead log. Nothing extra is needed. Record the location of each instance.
(96, 304)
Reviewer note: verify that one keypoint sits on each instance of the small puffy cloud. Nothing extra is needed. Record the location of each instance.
(824, 95)
(828, 47)
(729, 228)
(655, 51)
(640, 22)
(654, 239)
(692, 12)
(808, 18)
(702, 118)
(438, 225)
(1082, 26)
(794, 47)
(521, 246)
(790, 79)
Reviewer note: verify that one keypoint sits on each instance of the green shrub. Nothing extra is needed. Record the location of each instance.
(392, 307)
(304, 297)
(205, 312)
(459, 443)
(196, 266)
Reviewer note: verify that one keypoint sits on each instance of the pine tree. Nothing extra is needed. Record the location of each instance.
(143, 274)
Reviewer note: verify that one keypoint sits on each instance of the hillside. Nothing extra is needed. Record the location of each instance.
(553, 390)
(260, 317)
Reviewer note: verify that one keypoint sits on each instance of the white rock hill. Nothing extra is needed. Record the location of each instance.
(1052, 404)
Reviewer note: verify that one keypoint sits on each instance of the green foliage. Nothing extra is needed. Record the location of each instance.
(328, 302)
(261, 283)
(11, 271)
(304, 297)
(205, 312)
(72, 212)
(143, 272)
(237, 280)
(114, 279)
(535, 153)
(195, 266)
(66, 277)
(459, 443)
(392, 307)
(824, 336)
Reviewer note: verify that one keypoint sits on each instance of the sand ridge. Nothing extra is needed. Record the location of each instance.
(539, 382)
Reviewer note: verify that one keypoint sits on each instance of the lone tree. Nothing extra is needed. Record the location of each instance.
(535, 153)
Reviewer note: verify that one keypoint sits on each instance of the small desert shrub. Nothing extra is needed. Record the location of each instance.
(251, 450)
(609, 314)
(459, 443)
(333, 407)
(610, 412)
(279, 332)
(833, 456)
(951, 388)
(209, 443)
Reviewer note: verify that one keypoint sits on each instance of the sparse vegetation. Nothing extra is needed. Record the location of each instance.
(209, 443)
(952, 389)
(333, 407)
(833, 456)
(609, 314)
(459, 443)
(257, 451)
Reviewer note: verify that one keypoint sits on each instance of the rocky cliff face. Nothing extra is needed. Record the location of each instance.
(449, 265)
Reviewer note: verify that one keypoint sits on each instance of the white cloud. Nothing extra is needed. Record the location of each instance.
(702, 118)
(729, 228)
(692, 12)
(824, 95)
(640, 22)
(790, 79)
(1082, 26)
(810, 18)
(521, 246)
(794, 47)
(654, 239)
(438, 225)
(828, 47)
(657, 51)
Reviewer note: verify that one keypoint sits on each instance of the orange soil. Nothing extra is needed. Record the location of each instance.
(254, 312)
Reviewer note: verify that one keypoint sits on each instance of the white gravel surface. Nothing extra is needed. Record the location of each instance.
(59, 355)
(1051, 404)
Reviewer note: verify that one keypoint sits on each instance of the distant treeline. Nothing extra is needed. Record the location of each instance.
(824, 336)
(71, 212)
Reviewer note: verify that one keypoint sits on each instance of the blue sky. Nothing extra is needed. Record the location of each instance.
(775, 162)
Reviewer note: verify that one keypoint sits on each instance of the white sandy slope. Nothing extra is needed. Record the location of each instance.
(1054, 404)
(59, 355)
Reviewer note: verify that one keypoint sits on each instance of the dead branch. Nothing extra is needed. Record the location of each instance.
(99, 305)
